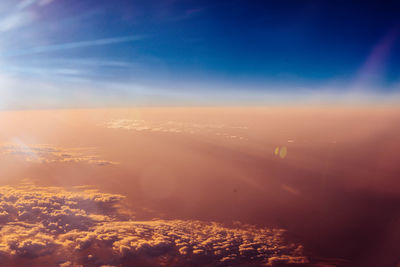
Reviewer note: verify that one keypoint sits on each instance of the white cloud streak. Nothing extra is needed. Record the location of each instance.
(22, 15)
(75, 45)
(16, 20)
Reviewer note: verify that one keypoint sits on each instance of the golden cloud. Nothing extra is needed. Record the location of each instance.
(43, 153)
(221, 130)
(75, 228)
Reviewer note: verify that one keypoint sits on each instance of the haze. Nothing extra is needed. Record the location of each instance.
(324, 175)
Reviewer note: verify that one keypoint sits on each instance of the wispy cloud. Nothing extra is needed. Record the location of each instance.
(16, 20)
(28, 3)
(221, 130)
(75, 45)
(25, 4)
(23, 14)
(51, 154)
(44, 2)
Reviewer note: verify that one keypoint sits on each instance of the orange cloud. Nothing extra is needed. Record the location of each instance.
(43, 153)
(86, 228)
(222, 130)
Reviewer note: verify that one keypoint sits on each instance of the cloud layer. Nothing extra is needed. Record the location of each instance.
(222, 130)
(49, 154)
(50, 225)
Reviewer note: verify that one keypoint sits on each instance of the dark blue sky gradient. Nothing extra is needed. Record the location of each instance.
(239, 43)
(305, 40)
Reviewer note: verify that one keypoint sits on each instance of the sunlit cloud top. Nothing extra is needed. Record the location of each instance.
(59, 53)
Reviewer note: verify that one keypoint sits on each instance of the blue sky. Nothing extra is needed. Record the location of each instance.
(61, 53)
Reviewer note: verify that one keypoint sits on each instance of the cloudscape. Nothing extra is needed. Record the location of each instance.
(199, 133)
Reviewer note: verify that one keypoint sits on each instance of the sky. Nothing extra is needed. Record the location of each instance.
(69, 53)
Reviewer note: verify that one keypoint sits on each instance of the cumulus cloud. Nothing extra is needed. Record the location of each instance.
(222, 130)
(49, 154)
(75, 228)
